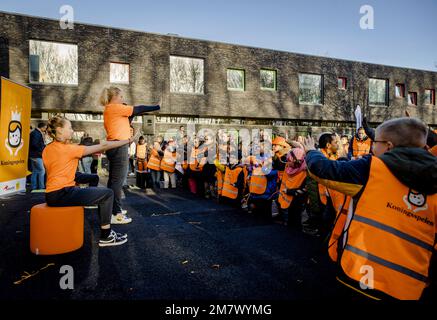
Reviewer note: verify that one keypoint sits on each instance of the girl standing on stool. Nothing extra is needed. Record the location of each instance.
(117, 117)
(61, 159)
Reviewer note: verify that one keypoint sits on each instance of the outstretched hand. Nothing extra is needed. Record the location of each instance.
(309, 144)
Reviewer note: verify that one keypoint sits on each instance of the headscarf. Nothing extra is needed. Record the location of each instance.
(299, 155)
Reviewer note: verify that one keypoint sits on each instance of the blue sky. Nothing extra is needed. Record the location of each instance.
(404, 33)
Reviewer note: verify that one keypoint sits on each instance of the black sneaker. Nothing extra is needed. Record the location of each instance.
(114, 239)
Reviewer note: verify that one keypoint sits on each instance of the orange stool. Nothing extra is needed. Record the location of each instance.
(55, 230)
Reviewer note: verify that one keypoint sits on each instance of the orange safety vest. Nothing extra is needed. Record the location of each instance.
(392, 231)
(194, 163)
(154, 161)
(141, 165)
(168, 162)
(341, 203)
(257, 181)
(433, 150)
(323, 191)
(231, 177)
(361, 148)
(141, 151)
(220, 178)
(290, 182)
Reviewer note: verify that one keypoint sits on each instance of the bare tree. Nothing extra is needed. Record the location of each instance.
(57, 63)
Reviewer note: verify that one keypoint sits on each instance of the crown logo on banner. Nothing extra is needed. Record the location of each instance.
(16, 116)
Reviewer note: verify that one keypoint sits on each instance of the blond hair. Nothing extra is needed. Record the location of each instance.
(55, 122)
(108, 94)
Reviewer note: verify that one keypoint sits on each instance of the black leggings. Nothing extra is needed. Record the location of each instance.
(75, 196)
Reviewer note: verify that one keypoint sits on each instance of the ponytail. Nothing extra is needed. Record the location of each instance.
(108, 94)
(55, 122)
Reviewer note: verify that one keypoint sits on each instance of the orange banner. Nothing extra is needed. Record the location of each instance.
(15, 107)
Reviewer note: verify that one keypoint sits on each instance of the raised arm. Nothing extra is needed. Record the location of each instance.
(107, 145)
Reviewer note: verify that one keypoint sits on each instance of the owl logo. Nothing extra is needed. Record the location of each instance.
(416, 200)
(14, 139)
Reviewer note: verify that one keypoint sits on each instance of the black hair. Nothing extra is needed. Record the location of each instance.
(325, 139)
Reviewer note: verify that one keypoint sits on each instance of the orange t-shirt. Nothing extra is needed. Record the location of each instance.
(116, 121)
(60, 161)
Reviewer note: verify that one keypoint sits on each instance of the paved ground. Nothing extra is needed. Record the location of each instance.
(256, 259)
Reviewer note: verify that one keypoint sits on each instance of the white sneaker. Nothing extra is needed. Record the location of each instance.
(114, 239)
(124, 211)
(120, 218)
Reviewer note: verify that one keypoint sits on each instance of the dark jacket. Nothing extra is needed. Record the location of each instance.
(36, 144)
(414, 167)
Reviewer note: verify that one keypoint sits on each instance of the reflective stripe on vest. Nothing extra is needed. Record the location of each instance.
(168, 162)
(290, 182)
(393, 231)
(360, 148)
(231, 177)
(154, 162)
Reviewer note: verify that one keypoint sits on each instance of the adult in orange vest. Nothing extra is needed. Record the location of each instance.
(116, 119)
(168, 164)
(292, 191)
(328, 146)
(390, 236)
(360, 145)
(154, 164)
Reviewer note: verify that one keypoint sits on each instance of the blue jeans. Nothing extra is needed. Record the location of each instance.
(38, 173)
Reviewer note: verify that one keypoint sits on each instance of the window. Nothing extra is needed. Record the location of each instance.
(430, 96)
(342, 83)
(378, 92)
(400, 90)
(268, 79)
(236, 79)
(53, 63)
(310, 88)
(412, 98)
(186, 75)
(119, 73)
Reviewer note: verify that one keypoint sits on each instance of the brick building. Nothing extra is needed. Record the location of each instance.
(209, 83)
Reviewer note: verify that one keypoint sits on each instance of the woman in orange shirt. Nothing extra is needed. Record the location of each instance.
(117, 117)
(61, 159)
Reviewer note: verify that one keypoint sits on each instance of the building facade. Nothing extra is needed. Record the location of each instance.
(207, 83)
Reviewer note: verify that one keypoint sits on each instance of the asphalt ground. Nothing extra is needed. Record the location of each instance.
(180, 247)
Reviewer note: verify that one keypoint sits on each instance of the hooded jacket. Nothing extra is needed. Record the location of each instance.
(414, 167)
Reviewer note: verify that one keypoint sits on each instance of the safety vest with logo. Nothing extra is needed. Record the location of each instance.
(231, 177)
(154, 161)
(361, 148)
(257, 181)
(290, 182)
(168, 162)
(392, 233)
